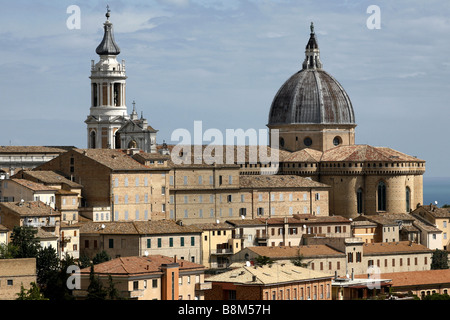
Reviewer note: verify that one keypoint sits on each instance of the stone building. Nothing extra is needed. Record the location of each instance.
(316, 123)
(15, 273)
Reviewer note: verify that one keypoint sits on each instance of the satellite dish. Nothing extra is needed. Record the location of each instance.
(217, 221)
(248, 264)
(242, 217)
(146, 253)
(435, 202)
(304, 226)
(103, 226)
(22, 201)
(350, 219)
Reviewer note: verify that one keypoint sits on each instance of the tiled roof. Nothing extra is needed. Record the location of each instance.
(137, 227)
(278, 181)
(30, 208)
(268, 274)
(379, 219)
(285, 252)
(112, 158)
(47, 177)
(416, 278)
(33, 149)
(361, 153)
(304, 155)
(246, 222)
(394, 248)
(213, 226)
(134, 265)
(436, 211)
(34, 186)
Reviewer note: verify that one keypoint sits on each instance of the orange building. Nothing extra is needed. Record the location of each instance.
(153, 277)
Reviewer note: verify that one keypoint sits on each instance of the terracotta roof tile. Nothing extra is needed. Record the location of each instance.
(34, 186)
(278, 181)
(30, 208)
(394, 247)
(416, 278)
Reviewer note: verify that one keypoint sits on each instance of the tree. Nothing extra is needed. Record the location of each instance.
(95, 288)
(8, 251)
(84, 262)
(47, 264)
(298, 261)
(24, 239)
(439, 260)
(263, 260)
(34, 293)
(113, 293)
(100, 257)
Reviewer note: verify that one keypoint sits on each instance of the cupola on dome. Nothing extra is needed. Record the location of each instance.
(311, 96)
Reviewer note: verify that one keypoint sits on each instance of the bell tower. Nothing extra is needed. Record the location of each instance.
(108, 110)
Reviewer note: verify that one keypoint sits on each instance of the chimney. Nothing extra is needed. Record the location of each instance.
(175, 259)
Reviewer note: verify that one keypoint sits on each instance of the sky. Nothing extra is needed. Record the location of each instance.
(222, 62)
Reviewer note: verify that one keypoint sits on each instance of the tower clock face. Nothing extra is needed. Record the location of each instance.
(307, 142)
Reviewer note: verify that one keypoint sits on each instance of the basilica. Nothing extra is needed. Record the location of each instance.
(315, 121)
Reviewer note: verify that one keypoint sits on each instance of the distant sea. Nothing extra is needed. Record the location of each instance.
(436, 189)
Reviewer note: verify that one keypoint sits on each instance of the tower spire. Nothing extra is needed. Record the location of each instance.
(108, 46)
(312, 53)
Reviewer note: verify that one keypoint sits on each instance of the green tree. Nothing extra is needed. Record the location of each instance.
(263, 260)
(24, 239)
(95, 288)
(437, 296)
(298, 260)
(84, 262)
(34, 293)
(439, 260)
(47, 265)
(100, 257)
(113, 293)
(8, 251)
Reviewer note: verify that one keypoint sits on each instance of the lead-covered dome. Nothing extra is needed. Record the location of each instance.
(311, 96)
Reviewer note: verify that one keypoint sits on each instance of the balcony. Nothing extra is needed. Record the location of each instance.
(221, 251)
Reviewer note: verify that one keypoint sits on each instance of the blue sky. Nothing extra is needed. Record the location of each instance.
(223, 61)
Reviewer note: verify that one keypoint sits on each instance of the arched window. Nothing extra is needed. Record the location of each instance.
(381, 196)
(408, 199)
(359, 200)
(93, 138)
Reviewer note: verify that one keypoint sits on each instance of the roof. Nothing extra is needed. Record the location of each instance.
(33, 149)
(34, 186)
(278, 181)
(113, 159)
(387, 248)
(134, 265)
(30, 208)
(213, 226)
(288, 252)
(416, 278)
(108, 46)
(47, 177)
(379, 219)
(363, 153)
(268, 275)
(152, 227)
(434, 211)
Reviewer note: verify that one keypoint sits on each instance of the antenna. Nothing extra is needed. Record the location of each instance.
(435, 202)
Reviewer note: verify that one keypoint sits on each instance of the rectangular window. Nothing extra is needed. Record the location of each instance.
(211, 180)
(137, 214)
(230, 179)
(200, 180)
(149, 243)
(182, 241)
(185, 181)
(155, 283)
(163, 190)
(159, 242)
(146, 181)
(192, 241)
(136, 182)
(146, 214)
(171, 180)
(137, 198)
(111, 243)
(126, 182)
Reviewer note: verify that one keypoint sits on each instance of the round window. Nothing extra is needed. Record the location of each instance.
(307, 142)
(337, 141)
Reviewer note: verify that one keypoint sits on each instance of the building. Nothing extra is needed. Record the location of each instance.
(15, 158)
(14, 190)
(278, 281)
(140, 238)
(15, 273)
(218, 243)
(346, 256)
(4, 235)
(316, 123)
(109, 126)
(153, 277)
(440, 219)
(418, 283)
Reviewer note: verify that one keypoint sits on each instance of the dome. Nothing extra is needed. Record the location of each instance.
(108, 46)
(311, 96)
